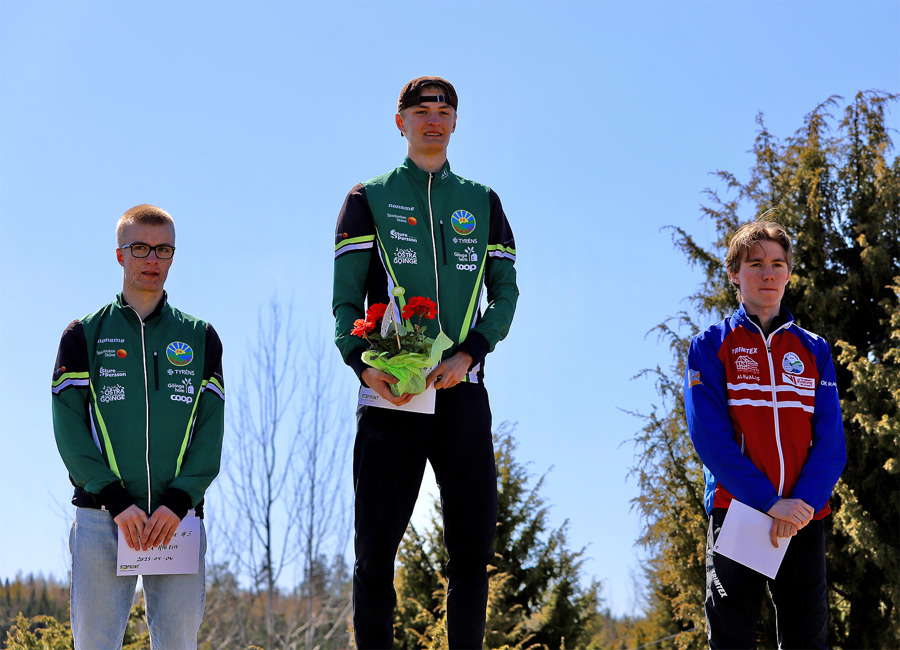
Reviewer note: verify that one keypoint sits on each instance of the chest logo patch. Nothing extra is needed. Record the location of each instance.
(112, 394)
(800, 382)
(745, 363)
(463, 222)
(179, 354)
(792, 364)
(402, 236)
(405, 256)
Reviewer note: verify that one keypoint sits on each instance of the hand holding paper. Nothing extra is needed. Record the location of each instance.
(131, 522)
(745, 537)
(790, 515)
(160, 527)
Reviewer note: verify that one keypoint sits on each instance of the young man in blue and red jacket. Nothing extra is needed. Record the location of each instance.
(764, 417)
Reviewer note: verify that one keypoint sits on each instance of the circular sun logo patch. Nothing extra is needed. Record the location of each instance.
(179, 354)
(463, 222)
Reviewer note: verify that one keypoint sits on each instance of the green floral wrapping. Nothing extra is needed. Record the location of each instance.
(407, 366)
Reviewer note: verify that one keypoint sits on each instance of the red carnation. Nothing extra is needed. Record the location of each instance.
(361, 327)
(376, 312)
(421, 307)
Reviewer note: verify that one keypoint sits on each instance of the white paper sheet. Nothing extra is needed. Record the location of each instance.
(745, 538)
(182, 555)
(421, 403)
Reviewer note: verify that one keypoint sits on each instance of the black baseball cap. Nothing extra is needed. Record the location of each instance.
(411, 95)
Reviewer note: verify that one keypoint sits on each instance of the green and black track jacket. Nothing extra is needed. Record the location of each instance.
(435, 235)
(138, 408)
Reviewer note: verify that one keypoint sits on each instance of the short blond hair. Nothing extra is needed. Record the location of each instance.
(144, 214)
(748, 236)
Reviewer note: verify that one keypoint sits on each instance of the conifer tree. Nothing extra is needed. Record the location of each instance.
(536, 598)
(833, 185)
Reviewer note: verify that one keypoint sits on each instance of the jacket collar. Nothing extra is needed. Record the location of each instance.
(421, 176)
(121, 302)
(783, 318)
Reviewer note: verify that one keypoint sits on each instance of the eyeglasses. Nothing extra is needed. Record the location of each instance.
(141, 250)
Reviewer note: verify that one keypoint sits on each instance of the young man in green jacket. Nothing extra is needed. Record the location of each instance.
(421, 230)
(138, 414)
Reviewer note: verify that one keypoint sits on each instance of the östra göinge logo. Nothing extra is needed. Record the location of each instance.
(179, 354)
(463, 222)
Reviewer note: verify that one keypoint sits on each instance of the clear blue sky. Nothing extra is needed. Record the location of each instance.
(597, 123)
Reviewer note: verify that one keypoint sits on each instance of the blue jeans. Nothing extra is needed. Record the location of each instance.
(101, 601)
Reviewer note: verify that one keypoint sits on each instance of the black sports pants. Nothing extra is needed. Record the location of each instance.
(388, 464)
(734, 593)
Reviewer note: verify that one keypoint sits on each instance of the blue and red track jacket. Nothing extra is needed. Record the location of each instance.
(764, 414)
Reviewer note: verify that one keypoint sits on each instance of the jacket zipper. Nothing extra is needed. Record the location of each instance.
(775, 411)
(156, 368)
(437, 286)
(768, 344)
(146, 412)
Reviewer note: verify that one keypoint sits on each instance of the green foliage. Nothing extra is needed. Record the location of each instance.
(834, 188)
(32, 596)
(137, 637)
(44, 632)
(536, 599)
(39, 633)
(671, 505)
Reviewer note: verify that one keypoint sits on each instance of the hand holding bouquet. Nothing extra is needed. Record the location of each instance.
(399, 350)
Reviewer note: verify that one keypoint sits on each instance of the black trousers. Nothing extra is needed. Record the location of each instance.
(389, 458)
(734, 593)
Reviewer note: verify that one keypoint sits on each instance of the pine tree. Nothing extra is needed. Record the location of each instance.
(835, 189)
(536, 597)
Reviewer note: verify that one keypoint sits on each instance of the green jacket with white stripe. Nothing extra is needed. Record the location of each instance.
(138, 408)
(436, 235)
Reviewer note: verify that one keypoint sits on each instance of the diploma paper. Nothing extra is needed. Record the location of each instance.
(182, 555)
(421, 403)
(745, 538)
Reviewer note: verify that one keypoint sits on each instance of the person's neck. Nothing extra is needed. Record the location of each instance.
(142, 302)
(431, 163)
(766, 317)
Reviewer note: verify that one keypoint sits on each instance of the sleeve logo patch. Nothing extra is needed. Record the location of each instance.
(694, 378)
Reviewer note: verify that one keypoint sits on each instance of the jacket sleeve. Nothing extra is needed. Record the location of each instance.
(354, 242)
(500, 282)
(202, 458)
(712, 432)
(828, 451)
(77, 444)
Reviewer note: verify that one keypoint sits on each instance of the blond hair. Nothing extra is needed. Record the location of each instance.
(143, 214)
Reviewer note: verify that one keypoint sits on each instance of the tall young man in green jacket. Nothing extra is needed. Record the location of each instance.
(431, 233)
(138, 414)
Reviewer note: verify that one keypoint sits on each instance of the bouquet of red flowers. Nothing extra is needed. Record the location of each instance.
(404, 352)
